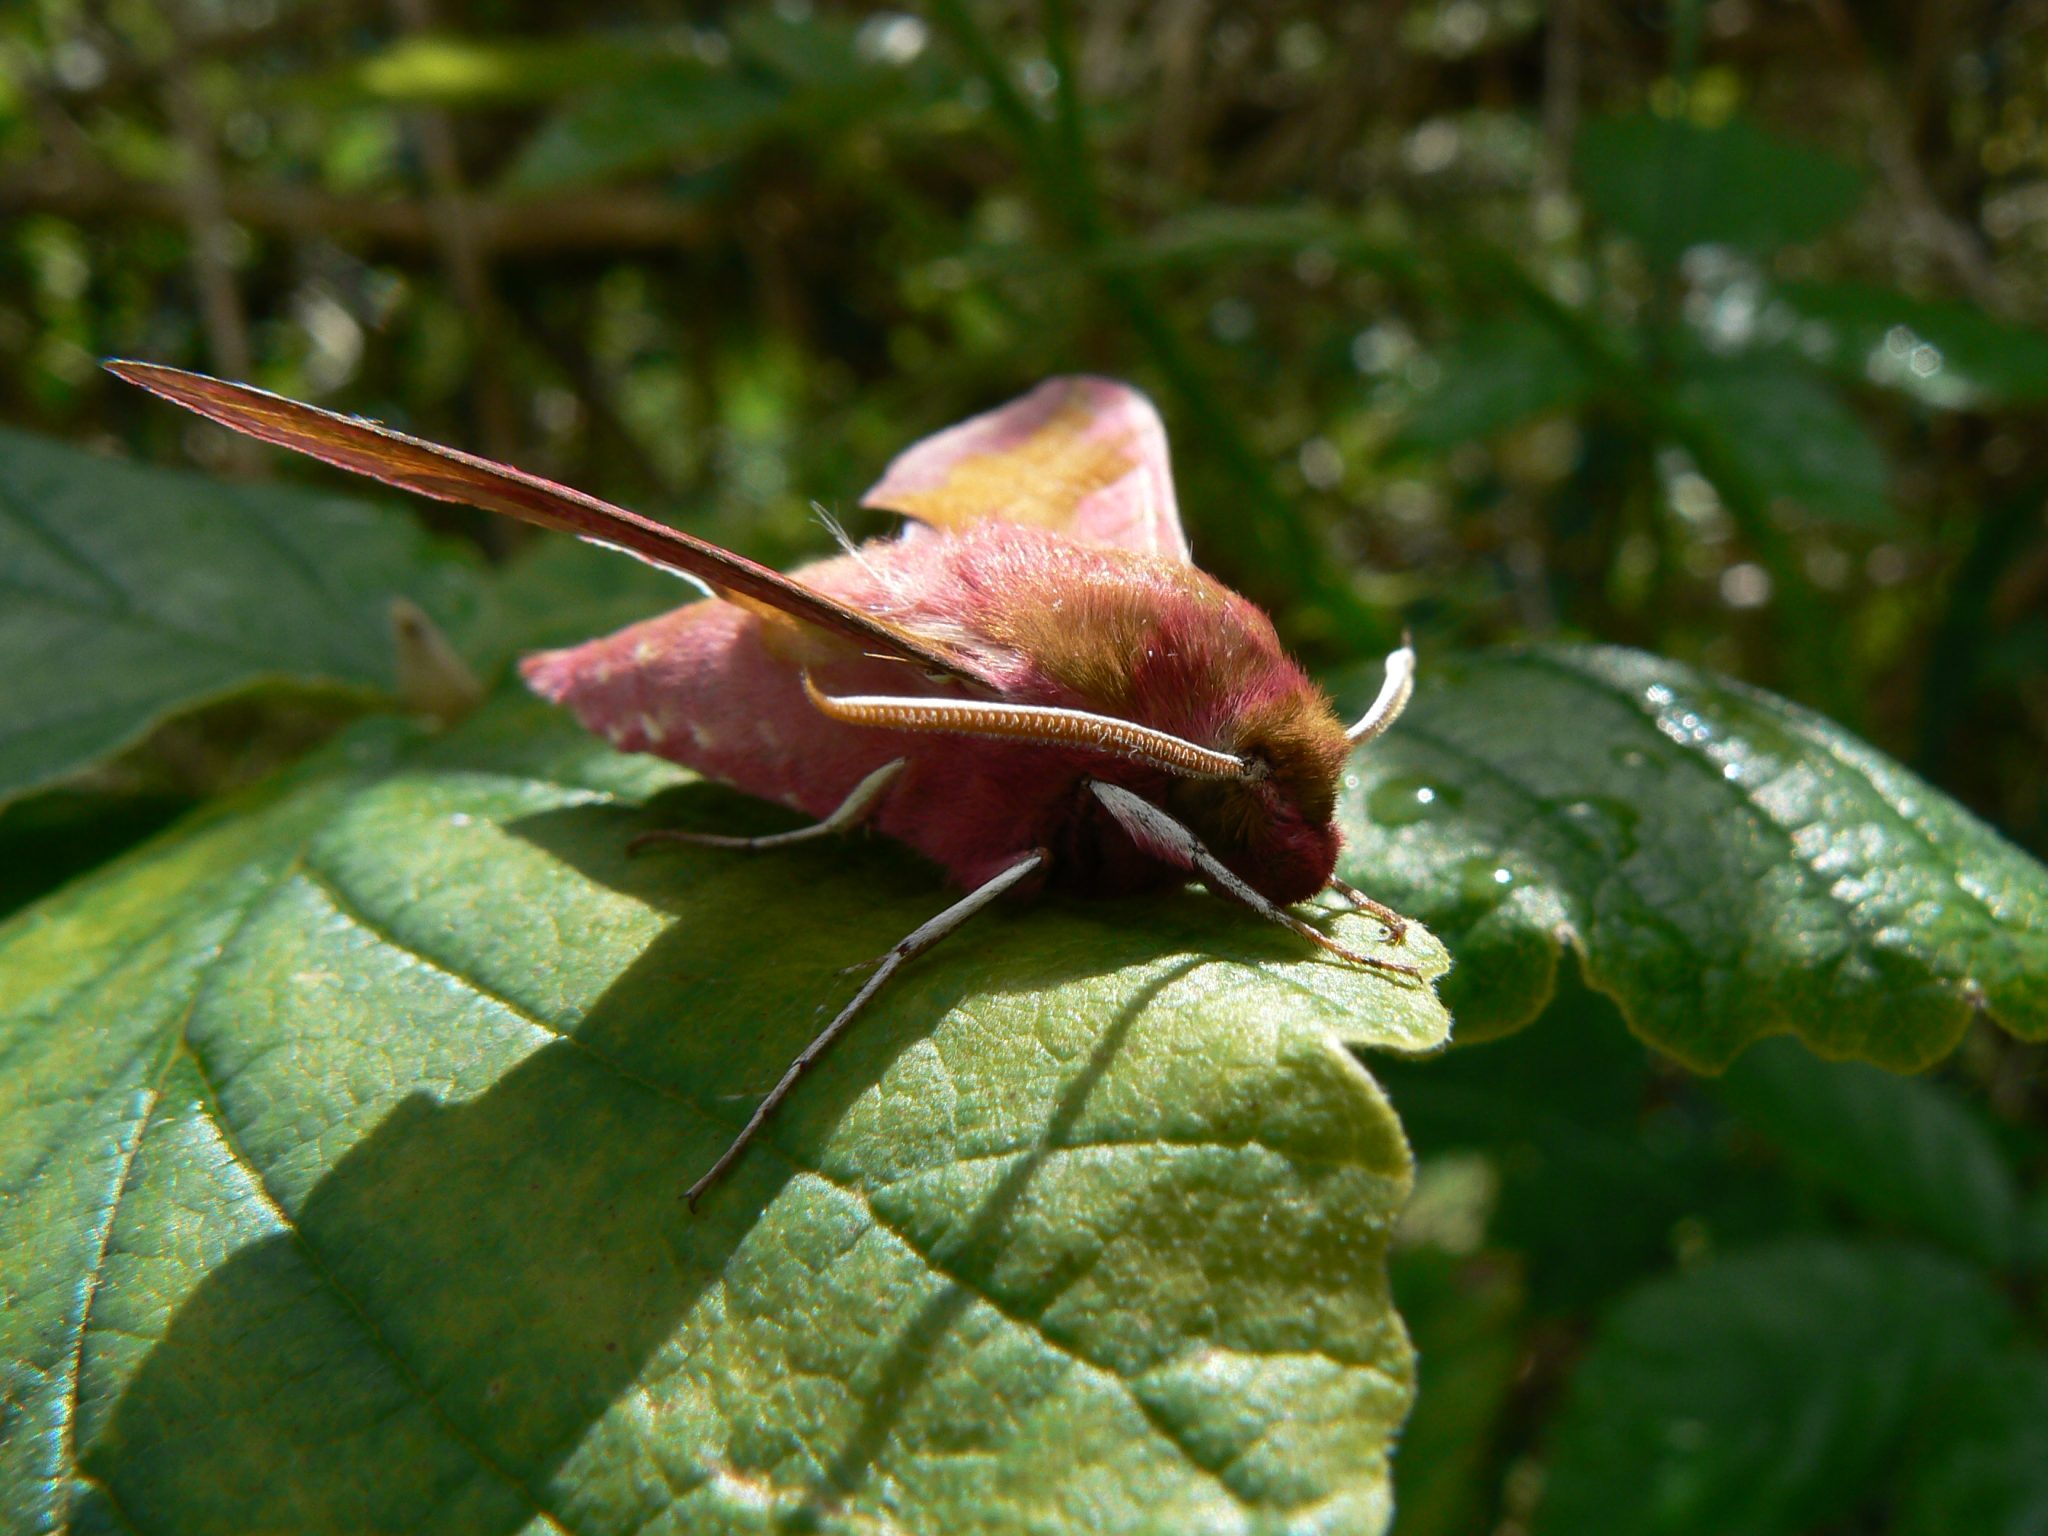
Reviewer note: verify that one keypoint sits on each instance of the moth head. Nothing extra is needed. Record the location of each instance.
(1275, 826)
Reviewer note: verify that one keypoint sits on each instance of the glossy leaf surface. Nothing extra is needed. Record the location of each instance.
(1727, 865)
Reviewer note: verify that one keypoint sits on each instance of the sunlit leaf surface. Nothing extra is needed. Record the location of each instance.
(343, 1137)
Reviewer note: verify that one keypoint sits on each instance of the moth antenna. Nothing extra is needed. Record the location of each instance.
(1041, 724)
(1393, 697)
(1160, 835)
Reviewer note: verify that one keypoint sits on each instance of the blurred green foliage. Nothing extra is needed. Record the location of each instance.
(1706, 327)
(1711, 327)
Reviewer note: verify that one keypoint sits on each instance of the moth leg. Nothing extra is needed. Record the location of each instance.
(915, 943)
(1396, 925)
(852, 811)
(1158, 833)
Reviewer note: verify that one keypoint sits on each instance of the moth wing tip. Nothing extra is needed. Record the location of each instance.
(548, 674)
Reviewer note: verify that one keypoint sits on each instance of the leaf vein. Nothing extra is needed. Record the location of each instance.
(1036, 1327)
(1855, 926)
(216, 1112)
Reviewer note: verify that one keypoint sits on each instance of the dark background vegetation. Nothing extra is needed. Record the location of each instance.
(1712, 329)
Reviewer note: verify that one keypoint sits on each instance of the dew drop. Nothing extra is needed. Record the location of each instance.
(1480, 886)
(1406, 799)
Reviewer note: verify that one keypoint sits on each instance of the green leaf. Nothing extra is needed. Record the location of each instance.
(1670, 184)
(1786, 440)
(343, 1134)
(562, 591)
(47, 838)
(1904, 1150)
(133, 593)
(1462, 1313)
(1762, 1393)
(1727, 865)
(678, 111)
(809, 82)
(1940, 351)
(474, 71)
(1982, 1465)
(1561, 1113)
(1494, 377)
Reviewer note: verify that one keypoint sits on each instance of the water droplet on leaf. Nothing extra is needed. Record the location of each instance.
(1406, 799)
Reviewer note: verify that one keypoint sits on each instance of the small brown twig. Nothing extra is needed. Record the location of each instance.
(586, 221)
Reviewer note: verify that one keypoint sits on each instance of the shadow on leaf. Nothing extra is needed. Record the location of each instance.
(435, 1331)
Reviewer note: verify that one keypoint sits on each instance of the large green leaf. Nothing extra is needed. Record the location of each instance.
(1494, 377)
(1906, 1151)
(1671, 184)
(1766, 1393)
(1982, 1462)
(343, 1135)
(1727, 865)
(131, 593)
(1944, 352)
(1777, 436)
